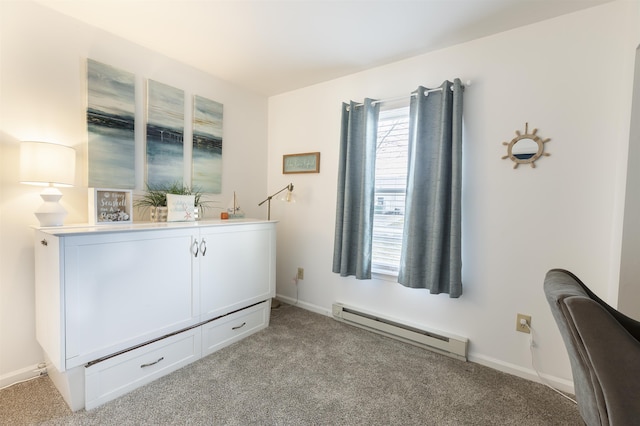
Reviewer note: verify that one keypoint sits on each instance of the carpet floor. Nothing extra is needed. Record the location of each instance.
(308, 369)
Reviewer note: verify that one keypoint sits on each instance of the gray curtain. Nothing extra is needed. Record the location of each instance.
(356, 180)
(431, 246)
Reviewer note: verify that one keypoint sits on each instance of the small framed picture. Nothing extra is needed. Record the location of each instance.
(110, 206)
(308, 162)
(180, 208)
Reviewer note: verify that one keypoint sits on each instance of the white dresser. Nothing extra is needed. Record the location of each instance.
(118, 306)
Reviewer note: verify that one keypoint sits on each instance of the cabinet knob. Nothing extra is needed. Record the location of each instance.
(44, 242)
(194, 248)
(203, 247)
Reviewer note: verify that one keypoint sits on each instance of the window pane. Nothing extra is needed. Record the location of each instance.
(391, 179)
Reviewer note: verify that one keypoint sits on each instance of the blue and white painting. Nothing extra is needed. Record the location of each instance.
(110, 126)
(165, 135)
(207, 145)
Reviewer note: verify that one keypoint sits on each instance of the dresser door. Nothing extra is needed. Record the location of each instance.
(238, 268)
(125, 288)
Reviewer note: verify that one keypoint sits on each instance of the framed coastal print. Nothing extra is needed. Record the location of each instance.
(206, 170)
(110, 206)
(165, 134)
(110, 126)
(301, 163)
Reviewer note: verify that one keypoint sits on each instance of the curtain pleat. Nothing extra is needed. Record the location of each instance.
(356, 180)
(431, 247)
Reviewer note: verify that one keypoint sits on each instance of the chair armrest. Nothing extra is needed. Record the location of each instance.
(615, 356)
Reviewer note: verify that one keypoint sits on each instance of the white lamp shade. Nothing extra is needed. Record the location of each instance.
(43, 163)
(50, 165)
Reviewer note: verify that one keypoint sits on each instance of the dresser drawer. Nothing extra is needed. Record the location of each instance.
(222, 332)
(113, 377)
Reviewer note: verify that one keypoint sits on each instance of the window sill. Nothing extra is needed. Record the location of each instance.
(385, 275)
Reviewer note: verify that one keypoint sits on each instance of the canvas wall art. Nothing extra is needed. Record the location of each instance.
(207, 145)
(165, 134)
(110, 126)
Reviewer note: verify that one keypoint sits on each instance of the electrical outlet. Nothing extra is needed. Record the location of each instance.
(523, 327)
(300, 273)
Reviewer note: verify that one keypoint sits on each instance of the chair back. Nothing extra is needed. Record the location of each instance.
(558, 286)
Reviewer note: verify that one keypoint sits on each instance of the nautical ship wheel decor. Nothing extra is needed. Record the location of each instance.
(526, 147)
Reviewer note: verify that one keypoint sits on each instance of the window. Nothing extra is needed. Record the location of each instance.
(390, 186)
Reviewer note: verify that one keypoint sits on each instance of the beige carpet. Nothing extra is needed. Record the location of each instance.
(307, 369)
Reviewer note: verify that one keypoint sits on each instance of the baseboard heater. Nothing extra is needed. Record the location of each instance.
(446, 344)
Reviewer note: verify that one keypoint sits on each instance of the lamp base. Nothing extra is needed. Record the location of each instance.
(51, 213)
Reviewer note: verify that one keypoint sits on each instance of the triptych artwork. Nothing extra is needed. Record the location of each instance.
(111, 128)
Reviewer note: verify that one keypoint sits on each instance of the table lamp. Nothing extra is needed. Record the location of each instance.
(50, 165)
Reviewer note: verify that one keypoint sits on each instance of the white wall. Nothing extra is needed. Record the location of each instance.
(42, 97)
(570, 77)
(629, 291)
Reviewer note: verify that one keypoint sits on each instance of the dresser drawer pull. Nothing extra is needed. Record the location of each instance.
(239, 326)
(152, 363)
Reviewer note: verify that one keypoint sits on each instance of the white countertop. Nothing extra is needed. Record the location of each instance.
(84, 228)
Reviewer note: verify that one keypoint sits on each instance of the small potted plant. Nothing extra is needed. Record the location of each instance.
(155, 199)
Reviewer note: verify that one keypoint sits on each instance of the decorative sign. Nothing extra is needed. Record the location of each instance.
(301, 163)
(110, 206)
(181, 208)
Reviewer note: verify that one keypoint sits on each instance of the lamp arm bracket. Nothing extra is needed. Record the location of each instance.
(289, 187)
(265, 200)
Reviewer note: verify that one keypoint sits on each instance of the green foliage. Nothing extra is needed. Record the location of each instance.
(156, 196)
(153, 197)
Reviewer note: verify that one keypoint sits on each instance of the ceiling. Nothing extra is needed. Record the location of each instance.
(272, 47)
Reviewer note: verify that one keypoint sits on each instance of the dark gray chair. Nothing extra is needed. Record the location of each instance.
(604, 350)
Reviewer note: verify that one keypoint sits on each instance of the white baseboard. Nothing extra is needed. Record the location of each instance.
(21, 375)
(304, 305)
(525, 373)
(515, 370)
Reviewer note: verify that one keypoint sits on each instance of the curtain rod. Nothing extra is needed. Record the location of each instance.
(426, 93)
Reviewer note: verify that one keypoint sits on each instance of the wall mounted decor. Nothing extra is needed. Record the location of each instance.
(301, 163)
(207, 145)
(165, 134)
(525, 148)
(110, 206)
(110, 126)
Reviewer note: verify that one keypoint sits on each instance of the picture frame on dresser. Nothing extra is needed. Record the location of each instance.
(110, 206)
